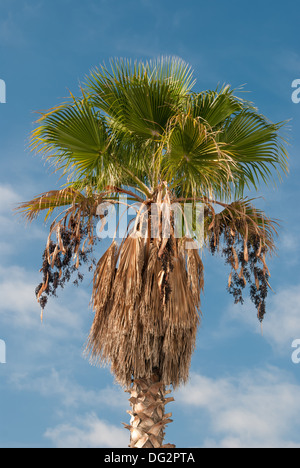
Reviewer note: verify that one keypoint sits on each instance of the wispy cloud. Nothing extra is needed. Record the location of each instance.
(282, 323)
(20, 309)
(57, 384)
(13, 230)
(256, 409)
(87, 432)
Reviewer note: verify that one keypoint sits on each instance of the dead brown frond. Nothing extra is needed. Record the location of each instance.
(148, 316)
(49, 201)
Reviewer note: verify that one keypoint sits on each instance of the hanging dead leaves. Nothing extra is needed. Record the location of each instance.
(61, 260)
(146, 298)
(146, 310)
(245, 236)
(69, 248)
(146, 291)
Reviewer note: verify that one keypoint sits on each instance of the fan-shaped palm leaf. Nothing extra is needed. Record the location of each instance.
(140, 97)
(76, 139)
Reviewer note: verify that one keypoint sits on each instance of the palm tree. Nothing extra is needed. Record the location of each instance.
(138, 130)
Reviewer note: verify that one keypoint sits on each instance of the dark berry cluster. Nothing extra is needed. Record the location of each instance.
(247, 268)
(59, 266)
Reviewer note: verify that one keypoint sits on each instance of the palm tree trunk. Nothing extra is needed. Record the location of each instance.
(148, 416)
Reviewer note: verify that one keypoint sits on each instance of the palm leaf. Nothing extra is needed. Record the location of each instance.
(214, 107)
(140, 97)
(75, 138)
(49, 201)
(196, 156)
(256, 146)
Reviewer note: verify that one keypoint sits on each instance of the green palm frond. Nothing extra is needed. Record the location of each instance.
(214, 107)
(75, 139)
(137, 124)
(194, 155)
(221, 145)
(256, 146)
(141, 97)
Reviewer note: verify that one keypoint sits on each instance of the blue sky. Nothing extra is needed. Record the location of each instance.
(244, 388)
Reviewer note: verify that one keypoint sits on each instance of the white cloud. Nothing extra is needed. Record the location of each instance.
(6, 248)
(19, 305)
(65, 324)
(8, 198)
(88, 432)
(17, 295)
(289, 242)
(55, 383)
(282, 322)
(14, 230)
(255, 409)
(288, 247)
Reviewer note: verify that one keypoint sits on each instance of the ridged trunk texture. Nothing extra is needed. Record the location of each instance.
(148, 416)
